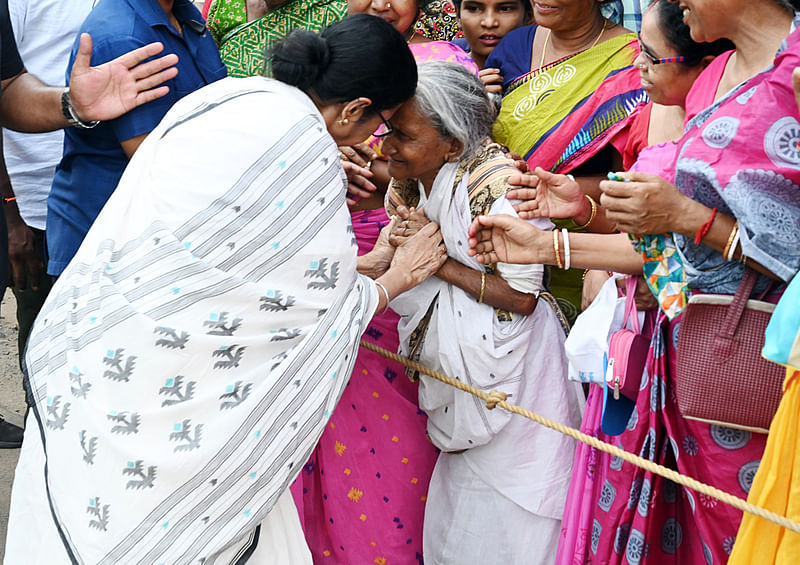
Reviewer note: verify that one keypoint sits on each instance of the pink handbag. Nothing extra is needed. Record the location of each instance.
(627, 350)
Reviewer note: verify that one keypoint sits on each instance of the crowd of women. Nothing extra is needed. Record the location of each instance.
(196, 384)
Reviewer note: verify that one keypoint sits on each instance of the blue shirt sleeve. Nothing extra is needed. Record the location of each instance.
(513, 54)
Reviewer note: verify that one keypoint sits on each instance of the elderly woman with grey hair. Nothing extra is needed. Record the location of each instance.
(498, 490)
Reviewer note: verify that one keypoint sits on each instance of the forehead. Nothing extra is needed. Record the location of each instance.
(411, 121)
(490, 3)
(651, 33)
(408, 114)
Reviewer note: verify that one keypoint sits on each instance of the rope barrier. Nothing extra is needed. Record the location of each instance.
(496, 398)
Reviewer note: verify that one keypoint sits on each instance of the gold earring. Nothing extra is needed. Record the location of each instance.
(344, 122)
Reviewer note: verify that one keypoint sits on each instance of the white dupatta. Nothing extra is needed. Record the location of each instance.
(186, 362)
(523, 358)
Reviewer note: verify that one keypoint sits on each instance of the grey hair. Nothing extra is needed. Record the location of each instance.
(455, 102)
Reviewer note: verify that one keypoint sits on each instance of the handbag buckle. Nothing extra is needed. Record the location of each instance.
(616, 378)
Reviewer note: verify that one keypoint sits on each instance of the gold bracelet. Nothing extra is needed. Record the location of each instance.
(732, 235)
(559, 263)
(591, 215)
(483, 287)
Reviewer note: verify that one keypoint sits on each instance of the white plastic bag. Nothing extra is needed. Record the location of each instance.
(587, 344)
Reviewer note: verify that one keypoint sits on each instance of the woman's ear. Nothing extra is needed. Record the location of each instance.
(454, 151)
(354, 110)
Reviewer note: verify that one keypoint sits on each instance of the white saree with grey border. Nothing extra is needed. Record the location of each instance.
(187, 361)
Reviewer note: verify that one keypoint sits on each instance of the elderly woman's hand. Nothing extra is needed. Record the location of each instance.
(546, 195)
(645, 204)
(503, 238)
(409, 222)
(519, 162)
(422, 254)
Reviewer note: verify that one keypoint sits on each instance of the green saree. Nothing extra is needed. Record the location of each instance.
(243, 46)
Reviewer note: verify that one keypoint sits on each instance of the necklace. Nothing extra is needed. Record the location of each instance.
(547, 40)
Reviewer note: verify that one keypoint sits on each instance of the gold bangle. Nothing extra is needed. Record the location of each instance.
(483, 287)
(592, 214)
(559, 263)
(730, 239)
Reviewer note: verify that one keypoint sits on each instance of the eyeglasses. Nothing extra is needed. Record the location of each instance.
(653, 60)
(387, 127)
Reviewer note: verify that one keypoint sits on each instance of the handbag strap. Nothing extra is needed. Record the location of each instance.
(631, 313)
(737, 306)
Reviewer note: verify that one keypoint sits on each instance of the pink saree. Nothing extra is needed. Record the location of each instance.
(361, 496)
(620, 514)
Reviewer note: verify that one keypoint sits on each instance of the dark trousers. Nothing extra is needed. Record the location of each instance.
(30, 301)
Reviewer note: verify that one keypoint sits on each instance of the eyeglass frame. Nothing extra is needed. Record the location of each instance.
(386, 124)
(652, 59)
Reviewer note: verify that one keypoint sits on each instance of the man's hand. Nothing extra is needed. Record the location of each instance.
(114, 88)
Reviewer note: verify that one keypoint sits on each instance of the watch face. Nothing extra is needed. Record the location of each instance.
(65, 107)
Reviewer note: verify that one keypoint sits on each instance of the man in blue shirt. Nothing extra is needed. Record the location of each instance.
(94, 159)
(99, 93)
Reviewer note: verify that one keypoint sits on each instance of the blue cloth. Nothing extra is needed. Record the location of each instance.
(461, 43)
(782, 341)
(93, 160)
(513, 54)
(627, 13)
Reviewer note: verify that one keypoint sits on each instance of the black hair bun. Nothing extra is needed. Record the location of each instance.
(301, 58)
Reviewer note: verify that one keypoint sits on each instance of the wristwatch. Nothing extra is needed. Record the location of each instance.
(69, 113)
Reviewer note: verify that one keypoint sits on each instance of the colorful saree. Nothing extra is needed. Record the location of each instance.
(560, 115)
(243, 48)
(438, 21)
(224, 15)
(361, 496)
(739, 155)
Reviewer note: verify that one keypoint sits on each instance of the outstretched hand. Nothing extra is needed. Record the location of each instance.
(503, 238)
(546, 195)
(114, 88)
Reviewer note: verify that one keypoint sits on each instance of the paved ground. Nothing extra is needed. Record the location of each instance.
(12, 404)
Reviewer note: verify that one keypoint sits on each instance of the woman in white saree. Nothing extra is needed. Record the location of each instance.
(187, 360)
(498, 490)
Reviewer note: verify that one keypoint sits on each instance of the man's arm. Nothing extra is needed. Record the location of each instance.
(24, 268)
(97, 93)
